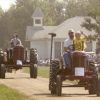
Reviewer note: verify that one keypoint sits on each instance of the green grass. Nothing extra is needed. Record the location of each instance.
(7, 93)
(43, 71)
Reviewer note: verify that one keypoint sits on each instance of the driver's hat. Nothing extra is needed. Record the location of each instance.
(71, 31)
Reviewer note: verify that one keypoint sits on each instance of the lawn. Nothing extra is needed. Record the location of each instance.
(43, 71)
(7, 93)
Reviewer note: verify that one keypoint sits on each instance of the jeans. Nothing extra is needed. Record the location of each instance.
(67, 59)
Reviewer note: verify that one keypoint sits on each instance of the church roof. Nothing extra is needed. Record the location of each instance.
(60, 30)
(38, 13)
(42, 32)
(74, 23)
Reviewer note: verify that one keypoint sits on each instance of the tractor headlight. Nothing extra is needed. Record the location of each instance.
(1, 53)
(97, 69)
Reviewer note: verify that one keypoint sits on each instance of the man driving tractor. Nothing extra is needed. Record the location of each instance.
(72, 44)
(75, 65)
(68, 48)
(15, 41)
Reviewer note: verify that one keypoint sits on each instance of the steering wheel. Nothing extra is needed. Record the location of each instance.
(71, 47)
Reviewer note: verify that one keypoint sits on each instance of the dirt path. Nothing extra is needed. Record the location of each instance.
(38, 88)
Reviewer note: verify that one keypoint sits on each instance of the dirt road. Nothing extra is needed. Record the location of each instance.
(38, 88)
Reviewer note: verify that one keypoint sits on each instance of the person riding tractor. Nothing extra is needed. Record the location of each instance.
(16, 57)
(68, 48)
(75, 65)
(79, 41)
(75, 42)
(15, 41)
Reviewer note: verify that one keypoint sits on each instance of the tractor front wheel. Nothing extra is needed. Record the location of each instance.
(33, 71)
(53, 76)
(33, 63)
(59, 86)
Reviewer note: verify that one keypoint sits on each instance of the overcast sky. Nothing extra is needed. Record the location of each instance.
(5, 4)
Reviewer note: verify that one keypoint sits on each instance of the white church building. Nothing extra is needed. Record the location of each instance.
(38, 36)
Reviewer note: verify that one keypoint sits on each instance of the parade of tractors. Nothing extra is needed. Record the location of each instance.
(83, 68)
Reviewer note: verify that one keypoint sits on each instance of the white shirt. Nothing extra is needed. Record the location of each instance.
(68, 42)
(16, 41)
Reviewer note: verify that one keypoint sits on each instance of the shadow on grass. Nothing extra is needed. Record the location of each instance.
(66, 95)
(18, 78)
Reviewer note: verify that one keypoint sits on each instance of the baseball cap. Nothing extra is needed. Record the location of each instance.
(71, 31)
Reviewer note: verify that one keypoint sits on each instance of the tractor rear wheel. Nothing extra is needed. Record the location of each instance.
(91, 90)
(59, 86)
(2, 71)
(31, 71)
(93, 85)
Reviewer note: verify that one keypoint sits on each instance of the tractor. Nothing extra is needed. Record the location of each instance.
(83, 69)
(16, 58)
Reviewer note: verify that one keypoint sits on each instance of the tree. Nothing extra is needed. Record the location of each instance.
(76, 8)
(94, 12)
(16, 19)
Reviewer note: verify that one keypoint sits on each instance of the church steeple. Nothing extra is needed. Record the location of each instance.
(37, 17)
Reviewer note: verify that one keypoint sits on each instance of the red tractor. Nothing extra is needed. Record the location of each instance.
(16, 59)
(83, 69)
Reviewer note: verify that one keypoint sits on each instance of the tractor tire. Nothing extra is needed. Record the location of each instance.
(93, 85)
(33, 63)
(33, 71)
(33, 56)
(91, 90)
(2, 71)
(59, 86)
(54, 67)
(98, 86)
